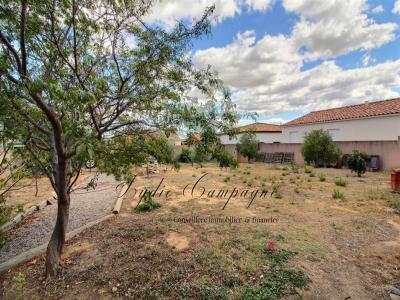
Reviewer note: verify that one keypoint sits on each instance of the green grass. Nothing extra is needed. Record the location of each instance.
(337, 194)
(227, 178)
(308, 169)
(339, 181)
(322, 177)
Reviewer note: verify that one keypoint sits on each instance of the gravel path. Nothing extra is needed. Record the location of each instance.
(86, 206)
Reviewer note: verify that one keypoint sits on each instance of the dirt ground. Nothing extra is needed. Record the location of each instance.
(24, 195)
(191, 248)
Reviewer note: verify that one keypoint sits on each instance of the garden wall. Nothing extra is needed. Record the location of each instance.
(388, 151)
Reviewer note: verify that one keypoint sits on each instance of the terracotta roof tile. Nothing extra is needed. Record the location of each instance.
(365, 110)
(260, 127)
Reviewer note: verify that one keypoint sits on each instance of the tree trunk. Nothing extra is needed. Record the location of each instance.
(57, 240)
(55, 247)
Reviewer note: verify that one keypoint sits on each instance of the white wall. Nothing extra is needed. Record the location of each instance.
(385, 128)
(264, 137)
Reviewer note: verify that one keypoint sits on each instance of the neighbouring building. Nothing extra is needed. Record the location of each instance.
(370, 121)
(265, 133)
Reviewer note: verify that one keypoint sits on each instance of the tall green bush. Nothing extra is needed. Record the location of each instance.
(248, 145)
(319, 148)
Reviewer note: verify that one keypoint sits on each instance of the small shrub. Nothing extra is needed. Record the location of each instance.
(339, 181)
(357, 162)
(312, 174)
(285, 168)
(250, 183)
(308, 169)
(297, 189)
(337, 194)
(285, 173)
(148, 203)
(185, 156)
(322, 177)
(227, 178)
(277, 190)
(295, 168)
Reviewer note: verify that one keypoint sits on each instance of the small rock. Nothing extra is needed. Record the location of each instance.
(114, 289)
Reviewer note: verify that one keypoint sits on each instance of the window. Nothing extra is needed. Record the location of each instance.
(335, 134)
(294, 137)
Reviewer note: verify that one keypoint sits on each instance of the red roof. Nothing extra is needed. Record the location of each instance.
(365, 110)
(260, 127)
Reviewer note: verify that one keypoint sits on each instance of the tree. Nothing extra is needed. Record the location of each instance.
(319, 148)
(357, 162)
(248, 145)
(79, 76)
(225, 159)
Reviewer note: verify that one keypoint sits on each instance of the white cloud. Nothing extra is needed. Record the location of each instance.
(396, 8)
(329, 28)
(378, 9)
(167, 12)
(260, 5)
(366, 59)
(245, 63)
(266, 77)
(277, 121)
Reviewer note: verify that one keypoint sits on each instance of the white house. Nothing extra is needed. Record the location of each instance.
(265, 133)
(370, 121)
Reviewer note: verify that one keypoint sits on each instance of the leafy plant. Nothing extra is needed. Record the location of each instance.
(248, 145)
(148, 203)
(277, 281)
(277, 190)
(312, 174)
(337, 194)
(319, 148)
(225, 159)
(339, 181)
(185, 156)
(322, 177)
(308, 169)
(357, 162)
(227, 178)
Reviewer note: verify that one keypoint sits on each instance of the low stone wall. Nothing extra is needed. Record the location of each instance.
(388, 151)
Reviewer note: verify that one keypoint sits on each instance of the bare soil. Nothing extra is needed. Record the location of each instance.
(349, 248)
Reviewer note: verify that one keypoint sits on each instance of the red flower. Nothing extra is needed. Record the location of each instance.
(270, 245)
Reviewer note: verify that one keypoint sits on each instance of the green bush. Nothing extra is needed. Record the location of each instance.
(227, 178)
(312, 173)
(337, 194)
(248, 145)
(357, 162)
(319, 148)
(226, 159)
(148, 203)
(322, 177)
(339, 181)
(185, 156)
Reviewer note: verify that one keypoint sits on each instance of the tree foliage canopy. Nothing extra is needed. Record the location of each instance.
(78, 76)
(319, 148)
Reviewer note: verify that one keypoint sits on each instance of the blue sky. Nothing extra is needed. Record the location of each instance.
(283, 58)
